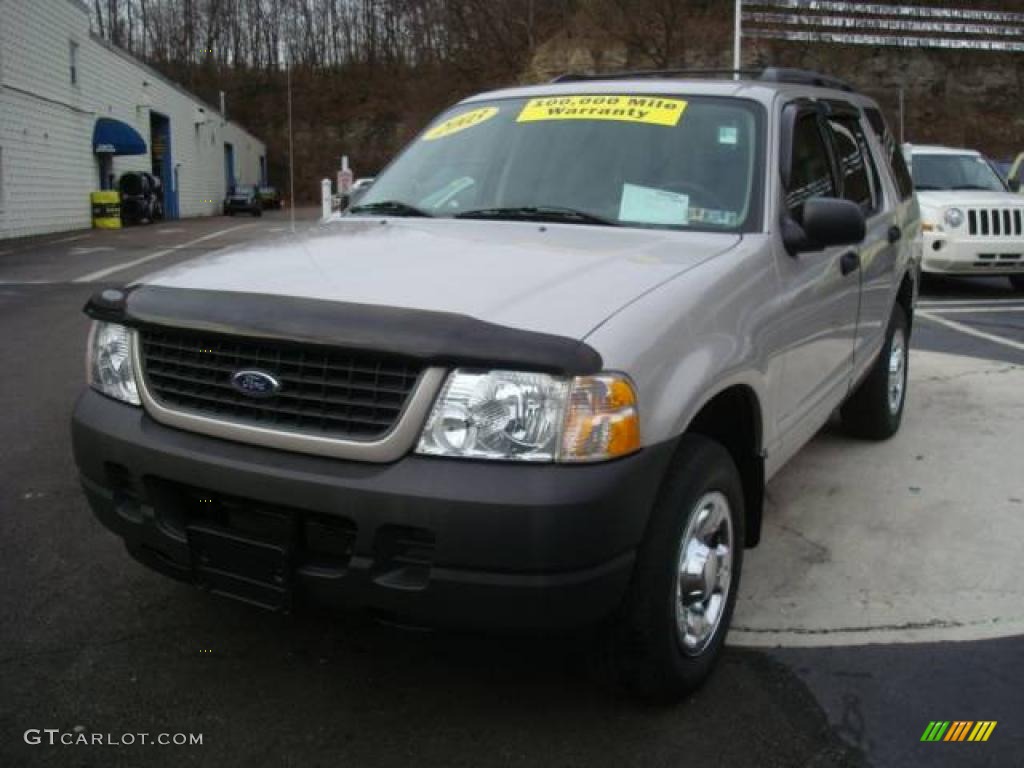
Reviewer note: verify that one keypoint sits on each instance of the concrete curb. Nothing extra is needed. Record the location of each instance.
(916, 539)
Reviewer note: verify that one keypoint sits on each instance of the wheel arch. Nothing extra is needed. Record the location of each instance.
(733, 417)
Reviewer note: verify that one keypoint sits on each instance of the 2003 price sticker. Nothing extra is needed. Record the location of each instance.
(460, 123)
(652, 110)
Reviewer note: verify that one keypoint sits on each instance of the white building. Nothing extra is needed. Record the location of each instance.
(64, 93)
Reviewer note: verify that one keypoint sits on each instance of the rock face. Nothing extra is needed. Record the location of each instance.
(958, 98)
(577, 51)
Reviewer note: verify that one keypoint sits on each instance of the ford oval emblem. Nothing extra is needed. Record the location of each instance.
(255, 383)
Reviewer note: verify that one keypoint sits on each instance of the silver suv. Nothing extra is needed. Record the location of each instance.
(536, 378)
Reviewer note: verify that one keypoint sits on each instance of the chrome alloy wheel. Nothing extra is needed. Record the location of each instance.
(704, 572)
(897, 370)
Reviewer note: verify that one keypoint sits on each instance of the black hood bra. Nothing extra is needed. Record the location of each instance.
(434, 338)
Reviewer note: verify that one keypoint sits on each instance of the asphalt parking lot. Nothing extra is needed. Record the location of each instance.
(886, 593)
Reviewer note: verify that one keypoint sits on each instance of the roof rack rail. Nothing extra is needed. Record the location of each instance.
(804, 77)
(768, 74)
(627, 74)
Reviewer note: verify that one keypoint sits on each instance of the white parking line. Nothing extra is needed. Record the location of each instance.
(40, 243)
(971, 331)
(102, 273)
(934, 304)
(973, 310)
(82, 250)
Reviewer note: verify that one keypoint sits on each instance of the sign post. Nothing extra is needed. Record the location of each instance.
(325, 199)
(345, 177)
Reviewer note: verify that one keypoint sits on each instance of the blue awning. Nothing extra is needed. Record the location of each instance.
(112, 137)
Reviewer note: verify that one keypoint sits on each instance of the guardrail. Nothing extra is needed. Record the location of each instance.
(878, 24)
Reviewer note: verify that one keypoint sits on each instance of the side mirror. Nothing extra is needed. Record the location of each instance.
(827, 222)
(1014, 185)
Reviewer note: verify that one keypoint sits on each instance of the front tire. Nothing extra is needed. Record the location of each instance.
(673, 624)
(875, 410)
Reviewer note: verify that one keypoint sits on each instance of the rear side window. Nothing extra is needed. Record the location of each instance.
(812, 167)
(893, 155)
(860, 180)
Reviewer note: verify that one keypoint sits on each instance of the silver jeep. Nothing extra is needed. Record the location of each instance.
(536, 378)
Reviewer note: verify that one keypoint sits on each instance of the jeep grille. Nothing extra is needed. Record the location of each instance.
(995, 222)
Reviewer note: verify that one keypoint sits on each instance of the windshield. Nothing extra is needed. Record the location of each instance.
(954, 172)
(626, 160)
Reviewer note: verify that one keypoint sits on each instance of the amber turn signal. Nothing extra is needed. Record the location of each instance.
(601, 421)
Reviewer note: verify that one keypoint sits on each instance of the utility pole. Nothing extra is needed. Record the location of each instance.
(902, 119)
(737, 39)
(291, 147)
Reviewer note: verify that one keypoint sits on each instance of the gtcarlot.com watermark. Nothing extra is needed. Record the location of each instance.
(79, 736)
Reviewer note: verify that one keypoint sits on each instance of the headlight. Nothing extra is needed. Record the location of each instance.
(110, 362)
(954, 218)
(532, 417)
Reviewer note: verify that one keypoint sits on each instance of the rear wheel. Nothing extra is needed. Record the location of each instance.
(673, 623)
(1017, 281)
(875, 410)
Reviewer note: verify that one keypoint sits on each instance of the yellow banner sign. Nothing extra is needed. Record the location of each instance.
(460, 123)
(652, 110)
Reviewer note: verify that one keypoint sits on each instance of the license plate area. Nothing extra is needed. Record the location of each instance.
(237, 566)
(241, 549)
(252, 550)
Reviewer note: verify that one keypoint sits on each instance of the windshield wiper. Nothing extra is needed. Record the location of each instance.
(974, 186)
(929, 188)
(539, 213)
(392, 207)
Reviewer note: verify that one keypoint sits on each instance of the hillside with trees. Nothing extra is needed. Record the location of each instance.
(368, 74)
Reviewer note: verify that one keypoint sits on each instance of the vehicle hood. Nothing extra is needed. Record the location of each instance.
(966, 198)
(563, 279)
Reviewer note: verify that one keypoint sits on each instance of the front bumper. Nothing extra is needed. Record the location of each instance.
(946, 254)
(424, 540)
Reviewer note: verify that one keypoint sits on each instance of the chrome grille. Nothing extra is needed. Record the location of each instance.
(996, 222)
(325, 392)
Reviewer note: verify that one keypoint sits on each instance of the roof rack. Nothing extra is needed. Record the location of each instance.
(804, 77)
(768, 74)
(626, 74)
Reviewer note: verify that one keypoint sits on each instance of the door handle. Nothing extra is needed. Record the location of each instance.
(895, 234)
(849, 262)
